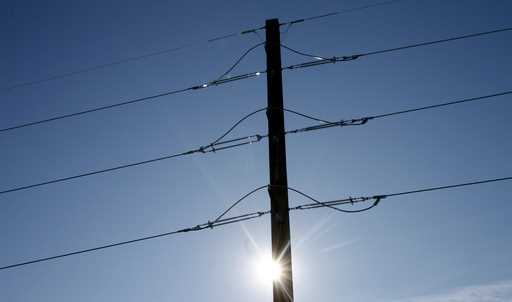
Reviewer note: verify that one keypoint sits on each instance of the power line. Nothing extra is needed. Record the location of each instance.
(376, 198)
(364, 120)
(331, 14)
(217, 145)
(186, 46)
(326, 204)
(63, 179)
(340, 12)
(249, 216)
(467, 100)
(335, 59)
(92, 68)
(219, 81)
(200, 227)
(117, 62)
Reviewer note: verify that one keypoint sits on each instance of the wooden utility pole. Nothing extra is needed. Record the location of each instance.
(278, 189)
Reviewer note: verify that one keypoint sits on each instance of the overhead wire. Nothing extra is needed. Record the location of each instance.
(324, 204)
(326, 15)
(207, 225)
(220, 145)
(219, 81)
(340, 12)
(255, 74)
(253, 215)
(365, 119)
(348, 58)
(119, 62)
(217, 145)
(376, 198)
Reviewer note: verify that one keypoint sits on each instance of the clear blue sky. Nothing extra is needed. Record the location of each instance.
(428, 247)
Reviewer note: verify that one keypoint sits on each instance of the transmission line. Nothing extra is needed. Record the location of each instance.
(253, 215)
(199, 227)
(364, 120)
(183, 47)
(377, 198)
(340, 12)
(288, 24)
(118, 62)
(217, 145)
(219, 81)
(335, 59)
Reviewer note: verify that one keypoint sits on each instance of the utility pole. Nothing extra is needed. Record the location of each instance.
(278, 189)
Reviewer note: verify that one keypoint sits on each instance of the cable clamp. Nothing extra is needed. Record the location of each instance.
(378, 198)
(210, 224)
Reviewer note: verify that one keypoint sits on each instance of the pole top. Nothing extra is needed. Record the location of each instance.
(271, 22)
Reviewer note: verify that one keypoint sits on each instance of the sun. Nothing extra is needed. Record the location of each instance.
(267, 269)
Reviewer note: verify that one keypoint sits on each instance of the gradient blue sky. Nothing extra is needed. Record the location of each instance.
(429, 248)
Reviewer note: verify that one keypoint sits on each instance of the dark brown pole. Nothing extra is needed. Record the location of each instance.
(278, 190)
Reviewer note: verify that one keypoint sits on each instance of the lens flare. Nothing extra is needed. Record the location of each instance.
(267, 269)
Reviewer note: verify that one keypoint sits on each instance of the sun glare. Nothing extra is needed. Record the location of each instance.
(267, 269)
